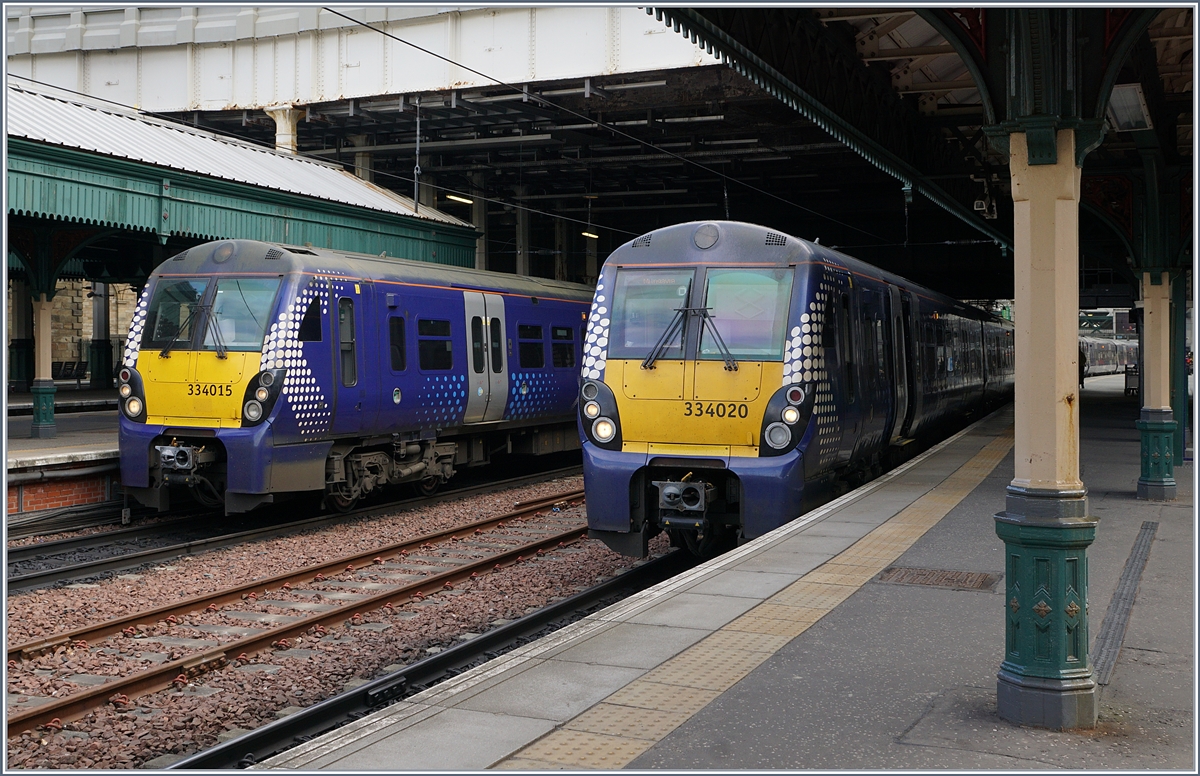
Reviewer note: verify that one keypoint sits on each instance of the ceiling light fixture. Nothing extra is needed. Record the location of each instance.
(463, 200)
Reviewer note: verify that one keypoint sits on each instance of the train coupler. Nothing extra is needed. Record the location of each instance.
(684, 504)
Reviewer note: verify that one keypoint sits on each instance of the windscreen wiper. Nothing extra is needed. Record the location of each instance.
(165, 352)
(706, 321)
(673, 328)
(211, 325)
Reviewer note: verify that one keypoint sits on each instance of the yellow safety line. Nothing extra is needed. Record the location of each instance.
(617, 730)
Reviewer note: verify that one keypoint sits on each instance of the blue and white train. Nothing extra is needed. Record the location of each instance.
(254, 370)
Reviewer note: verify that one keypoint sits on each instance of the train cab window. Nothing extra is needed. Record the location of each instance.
(396, 344)
(310, 325)
(532, 352)
(346, 346)
(644, 304)
(171, 318)
(477, 354)
(562, 346)
(238, 320)
(749, 308)
(434, 346)
(497, 343)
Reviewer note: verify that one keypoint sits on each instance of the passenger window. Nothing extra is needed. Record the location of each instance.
(477, 344)
(346, 341)
(532, 352)
(310, 326)
(396, 336)
(562, 346)
(497, 346)
(434, 347)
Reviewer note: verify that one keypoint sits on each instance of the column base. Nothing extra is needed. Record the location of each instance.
(43, 410)
(1157, 481)
(1057, 704)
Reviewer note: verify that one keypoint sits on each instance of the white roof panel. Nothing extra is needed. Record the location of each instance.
(74, 123)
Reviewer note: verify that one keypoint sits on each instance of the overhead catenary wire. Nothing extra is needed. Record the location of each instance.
(599, 124)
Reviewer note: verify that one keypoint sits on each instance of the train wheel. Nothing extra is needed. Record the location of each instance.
(339, 502)
(429, 486)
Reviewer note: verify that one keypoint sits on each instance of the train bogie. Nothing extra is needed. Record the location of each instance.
(737, 376)
(258, 370)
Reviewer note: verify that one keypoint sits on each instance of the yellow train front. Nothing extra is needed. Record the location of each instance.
(694, 403)
(735, 377)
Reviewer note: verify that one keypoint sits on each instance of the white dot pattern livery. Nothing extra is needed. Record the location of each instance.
(595, 346)
(282, 349)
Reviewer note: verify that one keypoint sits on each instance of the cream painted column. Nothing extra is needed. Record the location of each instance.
(1046, 318)
(524, 266)
(43, 383)
(479, 206)
(286, 118)
(1157, 422)
(1046, 679)
(364, 162)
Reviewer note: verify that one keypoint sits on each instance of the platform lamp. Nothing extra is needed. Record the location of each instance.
(588, 232)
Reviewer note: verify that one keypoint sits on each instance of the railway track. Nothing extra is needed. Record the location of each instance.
(35, 565)
(276, 737)
(536, 527)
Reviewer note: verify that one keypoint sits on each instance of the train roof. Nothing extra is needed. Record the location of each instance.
(256, 257)
(737, 240)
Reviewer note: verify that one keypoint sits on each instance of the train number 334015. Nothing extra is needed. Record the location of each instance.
(702, 409)
(208, 389)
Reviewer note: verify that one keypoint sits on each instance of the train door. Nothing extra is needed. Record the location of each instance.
(487, 378)
(902, 404)
(350, 387)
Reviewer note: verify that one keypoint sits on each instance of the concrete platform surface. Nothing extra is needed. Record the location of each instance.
(791, 653)
(79, 437)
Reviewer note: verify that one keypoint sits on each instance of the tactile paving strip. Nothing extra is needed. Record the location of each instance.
(627, 723)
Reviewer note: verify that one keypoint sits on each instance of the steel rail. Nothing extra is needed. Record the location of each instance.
(165, 674)
(33, 579)
(358, 560)
(321, 717)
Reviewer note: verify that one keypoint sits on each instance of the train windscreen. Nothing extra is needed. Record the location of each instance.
(644, 305)
(240, 313)
(749, 308)
(173, 314)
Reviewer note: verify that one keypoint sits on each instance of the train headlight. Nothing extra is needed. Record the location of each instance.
(262, 393)
(790, 415)
(126, 390)
(591, 409)
(590, 391)
(133, 407)
(252, 411)
(778, 435)
(604, 429)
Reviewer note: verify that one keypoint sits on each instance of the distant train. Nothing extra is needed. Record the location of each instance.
(1107, 356)
(735, 377)
(255, 370)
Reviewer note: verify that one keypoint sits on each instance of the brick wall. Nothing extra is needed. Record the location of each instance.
(54, 494)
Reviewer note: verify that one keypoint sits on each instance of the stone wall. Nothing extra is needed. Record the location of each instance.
(72, 318)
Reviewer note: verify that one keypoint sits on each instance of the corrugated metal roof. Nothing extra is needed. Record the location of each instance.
(103, 129)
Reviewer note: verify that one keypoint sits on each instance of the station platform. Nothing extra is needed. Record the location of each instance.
(79, 466)
(865, 635)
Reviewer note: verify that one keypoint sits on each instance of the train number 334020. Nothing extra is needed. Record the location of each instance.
(700, 409)
(198, 389)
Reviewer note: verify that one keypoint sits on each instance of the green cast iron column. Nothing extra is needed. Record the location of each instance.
(1157, 482)
(43, 410)
(1046, 677)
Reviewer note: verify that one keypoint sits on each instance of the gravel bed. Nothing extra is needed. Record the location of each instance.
(245, 695)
